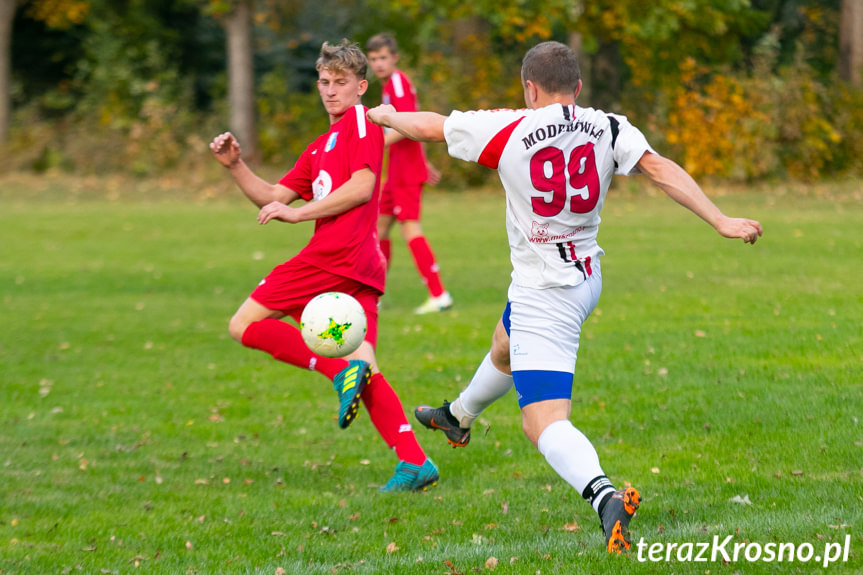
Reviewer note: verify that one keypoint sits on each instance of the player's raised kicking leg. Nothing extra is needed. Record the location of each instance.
(491, 381)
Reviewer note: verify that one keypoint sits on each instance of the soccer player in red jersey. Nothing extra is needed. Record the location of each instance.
(407, 171)
(338, 175)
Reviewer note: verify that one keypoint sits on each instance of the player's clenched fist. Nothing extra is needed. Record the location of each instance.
(378, 113)
(226, 149)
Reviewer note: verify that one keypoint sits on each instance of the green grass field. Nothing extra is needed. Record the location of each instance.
(138, 438)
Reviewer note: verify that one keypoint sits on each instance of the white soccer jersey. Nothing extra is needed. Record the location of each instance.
(556, 165)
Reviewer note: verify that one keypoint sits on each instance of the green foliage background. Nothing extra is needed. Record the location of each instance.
(741, 90)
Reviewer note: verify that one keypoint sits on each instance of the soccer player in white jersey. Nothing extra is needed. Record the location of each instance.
(555, 161)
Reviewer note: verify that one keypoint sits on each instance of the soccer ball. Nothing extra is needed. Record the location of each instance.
(333, 324)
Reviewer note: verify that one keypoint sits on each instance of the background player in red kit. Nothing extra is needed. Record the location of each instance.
(407, 171)
(339, 176)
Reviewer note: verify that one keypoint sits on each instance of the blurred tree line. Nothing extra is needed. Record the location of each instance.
(737, 89)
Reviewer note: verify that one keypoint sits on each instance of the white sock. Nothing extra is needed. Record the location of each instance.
(572, 456)
(487, 386)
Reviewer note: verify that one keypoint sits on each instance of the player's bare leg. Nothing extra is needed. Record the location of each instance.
(248, 313)
(536, 417)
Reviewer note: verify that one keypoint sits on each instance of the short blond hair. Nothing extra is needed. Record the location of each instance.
(343, 57)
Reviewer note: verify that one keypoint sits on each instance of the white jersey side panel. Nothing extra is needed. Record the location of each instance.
(556, 165)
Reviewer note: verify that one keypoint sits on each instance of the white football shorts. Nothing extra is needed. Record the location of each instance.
(545, 324)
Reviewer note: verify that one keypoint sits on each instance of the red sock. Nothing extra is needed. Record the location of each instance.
(285, 342)
(386, 248)
(388, 416)
(425, 262)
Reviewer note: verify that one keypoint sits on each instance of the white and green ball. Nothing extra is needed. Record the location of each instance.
(333, 324)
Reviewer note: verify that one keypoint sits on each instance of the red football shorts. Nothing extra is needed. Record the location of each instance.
(401, 201)
(291, 285)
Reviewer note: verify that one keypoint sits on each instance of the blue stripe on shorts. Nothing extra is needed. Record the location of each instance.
(538, 385)
(507, 311)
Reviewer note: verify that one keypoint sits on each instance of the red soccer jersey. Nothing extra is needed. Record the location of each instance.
(407, 163)
(346, 244)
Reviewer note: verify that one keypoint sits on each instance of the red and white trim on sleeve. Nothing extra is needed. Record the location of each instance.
(361, 120)
(398, 87)
(490, 156)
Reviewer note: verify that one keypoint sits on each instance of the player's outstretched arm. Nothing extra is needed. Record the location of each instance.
(226, 149)
(420, 126)
(679, 186)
